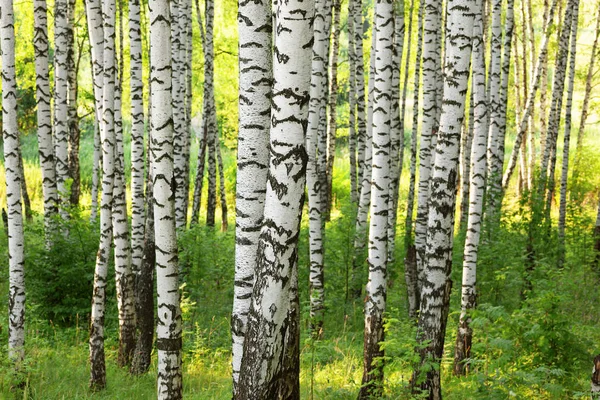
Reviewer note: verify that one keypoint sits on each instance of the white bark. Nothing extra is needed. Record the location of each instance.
(255, 66)
(435, 294)
(380, 198)
(61, 129)
(44, 117)
(98, 369)
(272, 315)
(168, 331)
(16, 240)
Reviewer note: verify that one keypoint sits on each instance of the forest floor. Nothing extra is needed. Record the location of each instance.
(533, 343)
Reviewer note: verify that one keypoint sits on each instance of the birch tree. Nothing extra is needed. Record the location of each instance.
(44, 117)
(73, 121)
(136, 86)
(16, 240)
(317, 105)
(168, 332)
(380, 198)
(435, 294)
(270, 344)
(464, 335)
(61, 128)
(209, 113)
(255, 66)
(352, 132)
(98, 366)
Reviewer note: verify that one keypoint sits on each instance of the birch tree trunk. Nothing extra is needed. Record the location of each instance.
(317, 104)
(209, 118)
(562, 214)
(136, 85)
(380, 198)
(44, 117)
(435, 295)
(73, 118)
(98, 368)
(222, 194)
(96, 37)
(333, 93)
(429, 129)
(168, 331)
(256, 76)
(179, 161)
(361, 122)
(270, 345)
(352, 132)
(61, 127)
(396, 130)
(410, 260)
(16, 240)
(464, 335)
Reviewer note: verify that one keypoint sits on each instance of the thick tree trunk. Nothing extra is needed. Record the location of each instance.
(383, 29)
(269, 367)
(98, 368)
(44, 117)
(410, 262)
(464, 335)
(16, 240)
(435, 295)
(168, 331)
(256, 75)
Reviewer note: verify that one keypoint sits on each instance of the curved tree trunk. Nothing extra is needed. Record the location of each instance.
(98, 368)
(168, 331)
(435, 295)
(271, 343)
(383, 29)
(44, 117)
(16, 240)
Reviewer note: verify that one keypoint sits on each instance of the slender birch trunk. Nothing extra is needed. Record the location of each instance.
(73, 117)
(435, 295)
(61, 127)
(466, 143)
(98, 368)
(360, 233)
(352, 100)
(256, 76)
(333, 93)
(96, 37)
(361, 122)
(271, 342)
(410, 261)
(24, 192)
(136, 85)
(383, 26)
(396, 131)
(464, 335)
(16, 240)
(429, 129)
(168, 331)
(209, 110)
(44, 117)
(200, 164)
(318, 96)
(562, 215)
(222, 194)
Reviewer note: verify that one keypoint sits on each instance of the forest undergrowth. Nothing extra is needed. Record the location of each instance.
(535, 328)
